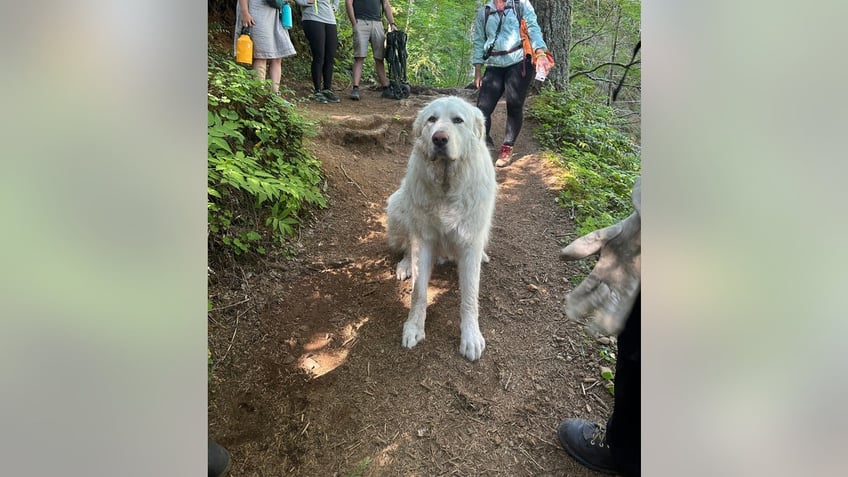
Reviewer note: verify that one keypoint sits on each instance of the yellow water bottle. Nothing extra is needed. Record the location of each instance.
(244, 47)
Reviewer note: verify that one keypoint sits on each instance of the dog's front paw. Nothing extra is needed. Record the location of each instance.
(404, 268)
(472, 344)
(486, 258)
(413, 333)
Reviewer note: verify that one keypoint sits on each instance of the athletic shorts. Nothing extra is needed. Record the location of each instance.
(365, 32)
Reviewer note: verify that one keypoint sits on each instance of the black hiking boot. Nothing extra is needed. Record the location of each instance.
(586, 442)
(219, 460)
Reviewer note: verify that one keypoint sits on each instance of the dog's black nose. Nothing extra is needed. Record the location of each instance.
(440, 138)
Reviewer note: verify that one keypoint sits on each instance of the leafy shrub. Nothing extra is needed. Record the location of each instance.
(260, 175)
(599, 163)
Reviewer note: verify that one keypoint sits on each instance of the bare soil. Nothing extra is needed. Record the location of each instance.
(310, 378)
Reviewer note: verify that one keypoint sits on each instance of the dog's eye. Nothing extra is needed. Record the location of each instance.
(431, 119)
(458, 120)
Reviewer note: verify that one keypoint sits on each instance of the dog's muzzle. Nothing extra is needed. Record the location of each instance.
(440, 144)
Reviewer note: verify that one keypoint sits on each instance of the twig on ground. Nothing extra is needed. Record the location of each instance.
(523, 451)
(230, 305)
(600, 402)
(545, 441)
(235, 330)
(354, 182)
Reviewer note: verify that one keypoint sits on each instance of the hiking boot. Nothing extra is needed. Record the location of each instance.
(319, 97)
(219, 460)
(506, 156)
(586, 442)
(388, 93)
(331, 97)
(354, 94)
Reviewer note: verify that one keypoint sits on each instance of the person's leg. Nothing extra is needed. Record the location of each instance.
(361, 34)
(260, 67)
(314, 32)
(518, 79)
(380, 68)
(614, 448)
(357, 70)
(378, 49)
(275, 71)
(491, 90)
(624, 426)
(331, 43)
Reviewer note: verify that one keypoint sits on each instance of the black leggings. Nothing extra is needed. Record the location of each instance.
(514, 81)
(624, 426)
(323, 40)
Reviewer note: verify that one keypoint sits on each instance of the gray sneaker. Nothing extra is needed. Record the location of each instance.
(354, 95)
(331, 97)
(319, 97)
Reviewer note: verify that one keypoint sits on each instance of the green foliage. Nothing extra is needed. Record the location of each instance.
(260, 175)
(361, 466)
(605, 31)
(599, 163)
(438, 45)
(608, 378)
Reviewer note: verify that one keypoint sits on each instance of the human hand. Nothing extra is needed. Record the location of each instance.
(607, 295)
(542, 62)
(478, 79)
(247, 19)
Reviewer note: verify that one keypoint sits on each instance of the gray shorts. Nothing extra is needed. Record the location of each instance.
(365, 32)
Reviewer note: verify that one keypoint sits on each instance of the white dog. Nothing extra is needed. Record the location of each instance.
(444, 208)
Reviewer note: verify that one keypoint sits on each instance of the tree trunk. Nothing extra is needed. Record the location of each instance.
(610, 82)
(555, 21)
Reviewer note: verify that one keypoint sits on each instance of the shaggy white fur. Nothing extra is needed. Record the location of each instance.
(444, 208)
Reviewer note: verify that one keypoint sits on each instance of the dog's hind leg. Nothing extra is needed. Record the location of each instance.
(421, 256)
(471, 341)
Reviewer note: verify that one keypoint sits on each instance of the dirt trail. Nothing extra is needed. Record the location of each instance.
(311, 378)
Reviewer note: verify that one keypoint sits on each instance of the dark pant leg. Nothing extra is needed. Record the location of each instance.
(314, 32)
(490, 93)
(331, 43)
(518, 79)
(624, 426)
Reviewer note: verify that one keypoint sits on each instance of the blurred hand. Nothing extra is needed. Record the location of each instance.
(607, 295)
(542, 62)
(478, 79)
(247, 19)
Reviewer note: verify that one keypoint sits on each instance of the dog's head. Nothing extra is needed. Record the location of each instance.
(448, 127)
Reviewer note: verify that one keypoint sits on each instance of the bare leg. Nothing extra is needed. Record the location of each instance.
(357, 70)
(260, 66)
(275, 72)
(380, 66)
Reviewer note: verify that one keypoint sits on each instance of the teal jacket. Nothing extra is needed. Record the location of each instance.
(509, 36)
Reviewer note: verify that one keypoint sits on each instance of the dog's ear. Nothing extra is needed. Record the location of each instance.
(418, 124)
(479, 124)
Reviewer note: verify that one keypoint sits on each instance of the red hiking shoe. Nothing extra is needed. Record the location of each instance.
(506, 156)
